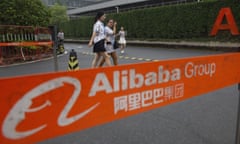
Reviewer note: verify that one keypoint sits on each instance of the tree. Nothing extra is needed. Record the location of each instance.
(59, 14)
(24, 12)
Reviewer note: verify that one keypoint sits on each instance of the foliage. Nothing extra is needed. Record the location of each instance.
(23, 12)
(79, 28)
(182, 21)
(58, 13)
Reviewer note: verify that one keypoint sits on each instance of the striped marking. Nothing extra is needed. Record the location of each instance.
(124, 57)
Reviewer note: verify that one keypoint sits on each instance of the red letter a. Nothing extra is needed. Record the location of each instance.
(231, 24)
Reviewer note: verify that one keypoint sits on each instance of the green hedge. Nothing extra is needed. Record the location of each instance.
(182, 21)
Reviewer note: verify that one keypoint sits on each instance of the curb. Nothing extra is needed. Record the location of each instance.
(28, 62)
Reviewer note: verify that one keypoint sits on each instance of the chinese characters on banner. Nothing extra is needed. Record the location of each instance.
(148, 98)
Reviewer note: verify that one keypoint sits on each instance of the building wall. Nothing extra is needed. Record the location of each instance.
(73, 3)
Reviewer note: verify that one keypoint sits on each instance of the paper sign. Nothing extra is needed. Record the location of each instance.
(38, 107)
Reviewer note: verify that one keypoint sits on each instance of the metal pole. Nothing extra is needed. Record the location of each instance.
(55, 49)
(117, 9)
(53, 29)
(237, 141)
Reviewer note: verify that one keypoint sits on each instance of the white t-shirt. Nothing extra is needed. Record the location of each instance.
(122, 39)
(110, 38)
(61, 35)
(109, 34)
(99, 29)
(122, 34)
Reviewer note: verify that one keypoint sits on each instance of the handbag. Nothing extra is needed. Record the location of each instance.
(116, 44)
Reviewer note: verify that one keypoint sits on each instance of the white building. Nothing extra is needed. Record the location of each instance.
(91, 7)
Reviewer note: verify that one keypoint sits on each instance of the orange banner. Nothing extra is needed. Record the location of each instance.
(26, 43)
(39, 107)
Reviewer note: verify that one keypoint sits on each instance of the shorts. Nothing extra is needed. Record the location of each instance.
(109, 47)
(99, 46)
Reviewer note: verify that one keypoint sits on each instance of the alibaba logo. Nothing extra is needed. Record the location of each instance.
(17, 113)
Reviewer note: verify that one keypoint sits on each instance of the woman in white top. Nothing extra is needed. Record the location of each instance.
(98, 38)
(110, 31)
(122, 40)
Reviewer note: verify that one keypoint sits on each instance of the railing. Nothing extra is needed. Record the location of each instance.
(23, 43)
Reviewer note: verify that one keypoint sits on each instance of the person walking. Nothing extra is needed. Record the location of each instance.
(98, 38)
(60, 36)
(122, 40)
(110, 31)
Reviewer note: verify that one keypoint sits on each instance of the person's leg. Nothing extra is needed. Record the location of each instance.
(101, 62)
(107, 58)
(114, 57)
(121, 48)
(95, 60)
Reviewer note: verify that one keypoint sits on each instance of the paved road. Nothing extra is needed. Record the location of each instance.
(134, 54)
(207, 119)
